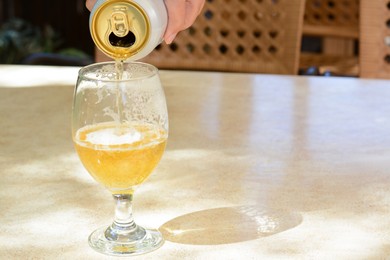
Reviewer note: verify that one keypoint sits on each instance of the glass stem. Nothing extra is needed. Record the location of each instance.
(123, 228)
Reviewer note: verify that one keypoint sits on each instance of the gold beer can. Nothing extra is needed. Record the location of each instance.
(128, 29)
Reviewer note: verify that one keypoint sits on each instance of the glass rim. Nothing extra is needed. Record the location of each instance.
(153, 72)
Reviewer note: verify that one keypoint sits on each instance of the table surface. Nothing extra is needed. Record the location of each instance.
(257, 166)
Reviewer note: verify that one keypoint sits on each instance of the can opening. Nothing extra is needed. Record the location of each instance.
(125, 41)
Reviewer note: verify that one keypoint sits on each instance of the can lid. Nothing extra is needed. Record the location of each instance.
(120, 28)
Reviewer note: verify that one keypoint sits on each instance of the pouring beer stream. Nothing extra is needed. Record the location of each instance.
(127, 30)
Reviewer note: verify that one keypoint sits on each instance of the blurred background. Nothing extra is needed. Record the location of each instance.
(306, 37)
(45, 32)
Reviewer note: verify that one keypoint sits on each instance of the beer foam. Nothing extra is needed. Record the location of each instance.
(113, 136)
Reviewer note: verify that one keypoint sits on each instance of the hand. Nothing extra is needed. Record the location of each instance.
(181, 15)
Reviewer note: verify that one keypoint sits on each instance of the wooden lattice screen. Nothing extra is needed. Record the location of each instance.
(238, 35)
(375, 39)
(332, 18)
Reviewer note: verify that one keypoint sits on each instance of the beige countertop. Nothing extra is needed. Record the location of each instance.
(257, 167)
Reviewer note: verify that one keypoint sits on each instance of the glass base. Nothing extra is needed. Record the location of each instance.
(152, 240)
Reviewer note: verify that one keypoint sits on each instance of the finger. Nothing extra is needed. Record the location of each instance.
(176, 18)
(193, 9)
(89, 4)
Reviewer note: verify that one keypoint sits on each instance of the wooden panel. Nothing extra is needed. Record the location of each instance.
(325, 30)
(374, 52)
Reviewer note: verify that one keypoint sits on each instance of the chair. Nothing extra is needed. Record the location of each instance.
(260, 36)
(336, 23)
(375, 39)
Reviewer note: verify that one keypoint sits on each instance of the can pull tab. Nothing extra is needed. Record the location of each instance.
(119, 22)
(121, 35)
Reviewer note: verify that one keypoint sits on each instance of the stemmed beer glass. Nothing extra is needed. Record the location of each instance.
(120, 129)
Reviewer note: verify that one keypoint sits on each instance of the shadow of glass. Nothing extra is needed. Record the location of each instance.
(228, 225)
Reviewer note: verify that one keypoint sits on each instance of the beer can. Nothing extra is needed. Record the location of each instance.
(128, 29)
